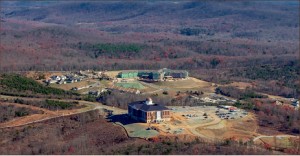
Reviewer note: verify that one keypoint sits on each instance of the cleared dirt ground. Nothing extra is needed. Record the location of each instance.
(113, 74)
(244, 128)
(210, 127)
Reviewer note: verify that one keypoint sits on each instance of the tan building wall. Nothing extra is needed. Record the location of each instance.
(165, 116)
(149, 116)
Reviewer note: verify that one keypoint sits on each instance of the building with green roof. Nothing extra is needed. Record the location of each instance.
(154, 75)
(128, 74)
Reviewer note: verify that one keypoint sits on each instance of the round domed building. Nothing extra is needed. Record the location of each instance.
(147, 111)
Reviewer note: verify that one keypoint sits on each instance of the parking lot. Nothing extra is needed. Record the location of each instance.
(226, 114)
(195, 114)
(204, 113)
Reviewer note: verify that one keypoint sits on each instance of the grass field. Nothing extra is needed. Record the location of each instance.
(135, 85)
(185, 84)
(69, 86)
(139, 130)
(106, 83)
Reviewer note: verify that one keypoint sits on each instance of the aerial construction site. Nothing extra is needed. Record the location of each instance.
(211, 116)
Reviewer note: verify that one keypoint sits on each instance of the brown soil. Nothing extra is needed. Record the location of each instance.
(268, 131)
(244, 129)
(113, 74)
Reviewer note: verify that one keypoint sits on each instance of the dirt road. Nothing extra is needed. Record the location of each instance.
(48, 114)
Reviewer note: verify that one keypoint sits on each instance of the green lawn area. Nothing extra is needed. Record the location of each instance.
(134, 85)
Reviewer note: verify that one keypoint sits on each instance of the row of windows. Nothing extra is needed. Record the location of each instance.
(146, 114)
(166, 113)
(163, 113)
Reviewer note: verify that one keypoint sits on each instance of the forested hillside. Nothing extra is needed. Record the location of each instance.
(216, 41)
